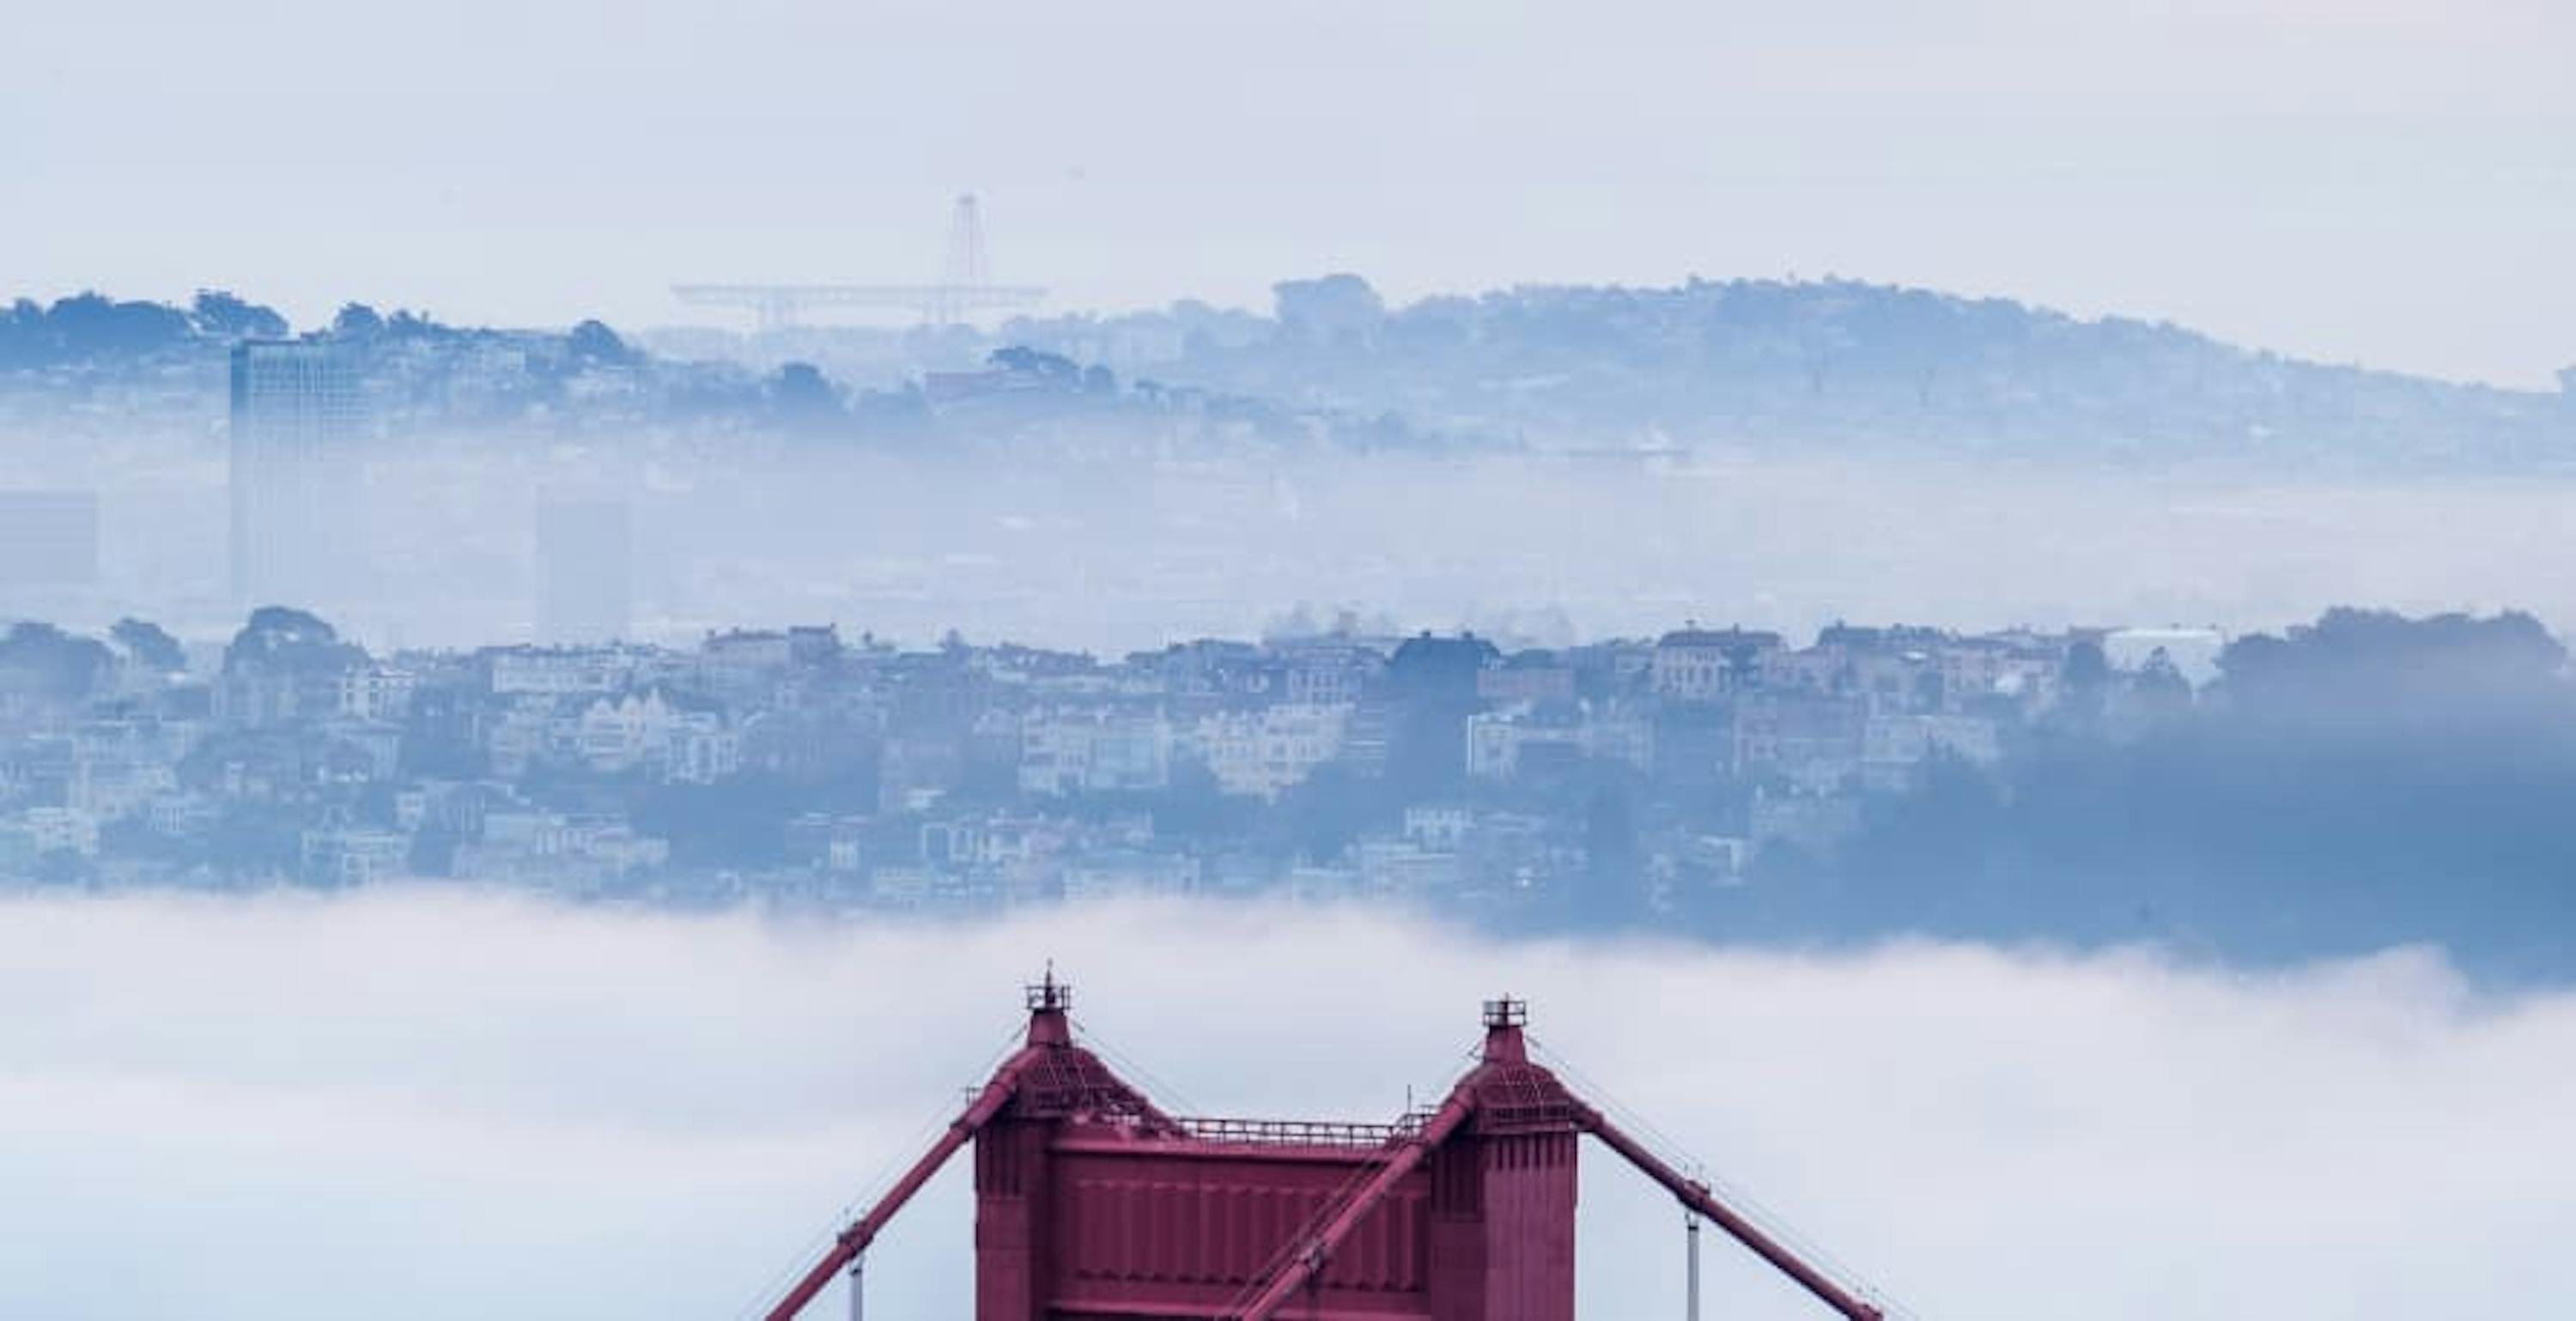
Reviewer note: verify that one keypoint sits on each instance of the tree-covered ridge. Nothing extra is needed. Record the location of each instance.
(2365, 780)
(1757, 366)
(1795, 363)
(91, 327)
(79, 361)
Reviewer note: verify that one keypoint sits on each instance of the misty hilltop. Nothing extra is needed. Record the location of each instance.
(1792, 365)
(1760, 367)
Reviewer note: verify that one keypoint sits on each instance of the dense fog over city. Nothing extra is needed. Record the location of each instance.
(433, 1104)
(1113, 556)
(529, 808)
(1788, 611)
(1939, 628)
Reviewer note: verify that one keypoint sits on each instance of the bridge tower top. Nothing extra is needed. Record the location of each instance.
(1504, 1019)
(1050, 1004)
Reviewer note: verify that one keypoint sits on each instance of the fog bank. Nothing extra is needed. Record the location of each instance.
(1112, 556)
(431, 1104)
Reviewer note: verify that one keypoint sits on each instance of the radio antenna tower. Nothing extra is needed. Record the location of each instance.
(966, 245)
(964, 271)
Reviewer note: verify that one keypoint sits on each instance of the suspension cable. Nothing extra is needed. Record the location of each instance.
(1679, 1155)
(898, 1158)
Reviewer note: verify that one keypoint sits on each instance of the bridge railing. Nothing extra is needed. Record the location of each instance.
(1298, 1132)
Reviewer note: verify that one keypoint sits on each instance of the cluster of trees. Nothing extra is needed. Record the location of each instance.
(2364, 781)
(588, 344)
(92, 327)
(42, 661)
(1024, 385)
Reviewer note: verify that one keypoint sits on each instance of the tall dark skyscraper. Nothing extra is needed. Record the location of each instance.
(297, 419)
(585, 573)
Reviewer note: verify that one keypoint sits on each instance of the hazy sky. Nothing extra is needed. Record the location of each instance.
(419, 1105)
(2388, 181)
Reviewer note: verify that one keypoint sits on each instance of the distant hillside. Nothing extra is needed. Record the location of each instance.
(92, 365)
(1764, 367)
(1772, 365)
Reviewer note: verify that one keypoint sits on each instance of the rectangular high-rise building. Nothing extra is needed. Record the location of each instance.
(297, 421)
(585, 573)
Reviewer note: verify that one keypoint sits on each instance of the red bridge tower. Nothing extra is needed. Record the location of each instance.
(1091, 1204)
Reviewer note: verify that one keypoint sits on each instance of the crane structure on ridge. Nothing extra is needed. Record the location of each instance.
(965, 286)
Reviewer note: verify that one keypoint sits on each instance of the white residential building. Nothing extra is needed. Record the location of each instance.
(351, 858)
(1116, 873)
(1438, 827)
(650, 732)
(560, 671)
(1260, 753)
(377, 693)
(1500, 741)
(1695, 665)
(1094, 750)
(60, 830)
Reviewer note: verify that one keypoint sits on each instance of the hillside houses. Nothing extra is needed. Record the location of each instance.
(790, 766)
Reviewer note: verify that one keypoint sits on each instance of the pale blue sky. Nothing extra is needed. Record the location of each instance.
(2384, 181)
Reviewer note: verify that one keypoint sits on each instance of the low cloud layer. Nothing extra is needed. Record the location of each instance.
(440, 1105)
